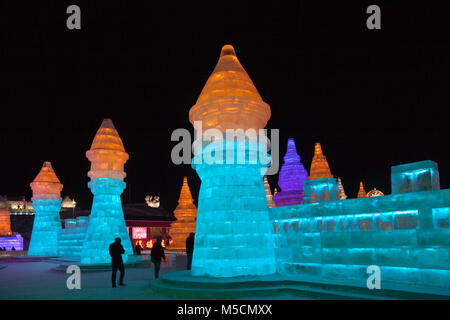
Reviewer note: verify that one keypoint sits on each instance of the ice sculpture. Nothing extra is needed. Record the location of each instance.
(269, 196)
(46, 203)
(234, 234)
(342, 195)
(406, 234)
(321, 185)
(417, 176)
(8, 239)
(319, 165)
(361, 192)
(5, 222)
(186, 214)
(107, 156)
(291, 177)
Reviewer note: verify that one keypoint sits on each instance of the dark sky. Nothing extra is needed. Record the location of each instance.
(372, 98)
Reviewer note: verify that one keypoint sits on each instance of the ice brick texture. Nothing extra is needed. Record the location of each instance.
(72, 236)
(46, 203)
(319, 165)
(106, 222)
(107, 154)
(234, 236)
(186, 214)
(291, 177)
(406, 234)
(416, 176)
(229, 99)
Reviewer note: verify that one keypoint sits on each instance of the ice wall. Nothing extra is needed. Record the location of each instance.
(406, 234)
(72, 236)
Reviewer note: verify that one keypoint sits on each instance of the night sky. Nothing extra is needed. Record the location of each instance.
(372, 98)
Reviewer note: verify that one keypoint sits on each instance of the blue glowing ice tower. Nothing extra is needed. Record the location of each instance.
(234, 234)
(107, 156)
(46, 203)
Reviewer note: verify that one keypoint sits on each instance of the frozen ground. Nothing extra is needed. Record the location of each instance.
(39, 280)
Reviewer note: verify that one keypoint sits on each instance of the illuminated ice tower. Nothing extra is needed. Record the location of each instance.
(186, 214)
(291, 177)
(234, 233)
(46, 203)
(107, 156)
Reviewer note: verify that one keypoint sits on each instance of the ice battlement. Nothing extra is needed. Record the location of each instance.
(405, 234)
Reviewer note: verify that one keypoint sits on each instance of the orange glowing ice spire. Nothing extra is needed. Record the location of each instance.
(319, 165)
(361, 192)
(5, 222)
(186, 214)
(46, 185)
(107, 154)
(229, 99)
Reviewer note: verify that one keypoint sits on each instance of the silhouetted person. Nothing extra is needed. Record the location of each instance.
(138, 249)
(156, 255)
(190, 249)
(13, 249)
(116, 250)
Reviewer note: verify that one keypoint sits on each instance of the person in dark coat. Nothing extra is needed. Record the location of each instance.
(138, 249)
(116, 250)
(190, 249)
(156, 255)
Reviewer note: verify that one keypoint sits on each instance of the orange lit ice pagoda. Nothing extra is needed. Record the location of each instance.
(186, 214)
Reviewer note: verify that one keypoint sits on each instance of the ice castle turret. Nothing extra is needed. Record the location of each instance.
(321, 185)
(46, 203)
(291, 177)
(107, 156)
(186, 214)
(234, 234)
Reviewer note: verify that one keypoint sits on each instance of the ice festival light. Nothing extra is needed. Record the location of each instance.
(46, 203)
(107, 156)
(234, 234)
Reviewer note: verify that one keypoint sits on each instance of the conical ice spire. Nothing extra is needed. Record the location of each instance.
(292, 173)
(186, 214)
(185, 200)
(319, 165)
(342, 195)
(107, 154)
(229, 99)
(361, 192)
(46, 185)
(269, 197)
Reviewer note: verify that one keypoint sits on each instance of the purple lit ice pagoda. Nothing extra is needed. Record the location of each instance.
(290, 179)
